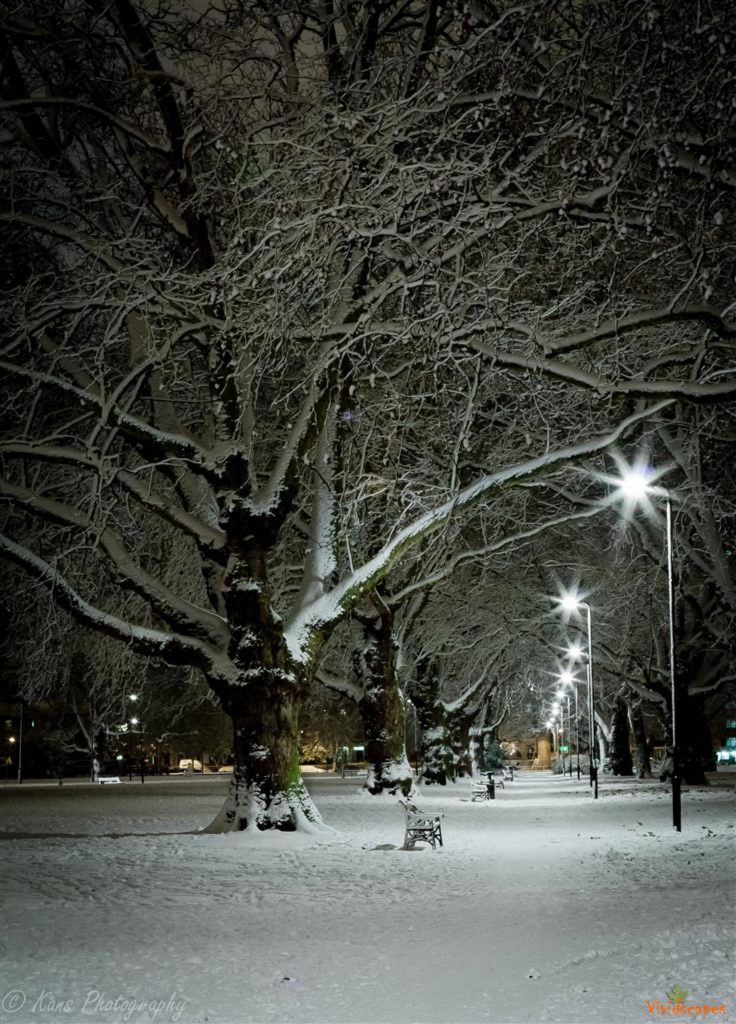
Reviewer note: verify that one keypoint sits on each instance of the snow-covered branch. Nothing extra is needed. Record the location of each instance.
(478, 554)
(350, 590)
(171, 647)
(184, 616)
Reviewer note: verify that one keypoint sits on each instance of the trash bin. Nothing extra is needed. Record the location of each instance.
(491, 783)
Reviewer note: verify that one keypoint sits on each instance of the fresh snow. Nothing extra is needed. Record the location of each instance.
(543, 905)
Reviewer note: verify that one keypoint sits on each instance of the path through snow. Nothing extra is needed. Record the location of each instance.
(544, 905)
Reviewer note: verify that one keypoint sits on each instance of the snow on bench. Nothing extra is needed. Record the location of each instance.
(421, 826)
(106, 779)
(484, 787)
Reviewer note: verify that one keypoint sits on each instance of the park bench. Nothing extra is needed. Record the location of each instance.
(484, 787)
(107, 779)
(421, 826)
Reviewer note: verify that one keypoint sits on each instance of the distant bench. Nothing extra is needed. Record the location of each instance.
(106, 780)
(484, 788)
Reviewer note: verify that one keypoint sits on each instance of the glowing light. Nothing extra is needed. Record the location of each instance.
(635, 484)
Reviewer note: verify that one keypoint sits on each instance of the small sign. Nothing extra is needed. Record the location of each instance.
(564, 750)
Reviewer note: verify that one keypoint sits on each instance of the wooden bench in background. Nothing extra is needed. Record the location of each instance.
(484, 786)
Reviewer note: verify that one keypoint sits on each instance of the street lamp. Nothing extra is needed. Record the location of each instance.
(20, 746)
(635, 485)
(136, 721)
(560, 694)
(551, 726)
(557, 710)
(568, 679)
(571, 603)
(555, 713)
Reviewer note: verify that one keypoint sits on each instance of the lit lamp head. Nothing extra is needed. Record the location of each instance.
(574, 652)
(634, 484)
(635, 487)
(566, 679)
(134, 721)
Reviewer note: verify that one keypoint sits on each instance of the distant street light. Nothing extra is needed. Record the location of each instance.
(551, 726)
(568, 679)
(636, 486)
(556, 712)
(20, 746)
(136, 721)
(572, 603)
(560, 695)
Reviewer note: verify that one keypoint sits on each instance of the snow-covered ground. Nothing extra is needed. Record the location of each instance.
(544, 905)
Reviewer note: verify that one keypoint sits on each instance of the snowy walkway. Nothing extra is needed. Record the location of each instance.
(544, 905)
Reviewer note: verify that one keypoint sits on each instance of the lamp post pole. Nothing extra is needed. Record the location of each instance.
(569, 735)
(571, 603)
(561, 741)
(636, 485)
(139, 723)
(565, 679)
(676, 793)
(20, 747)
(577, 730)
(140, 742)
(592, 729)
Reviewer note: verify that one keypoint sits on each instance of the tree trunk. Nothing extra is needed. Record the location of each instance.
(621, 763)
(694, 746)
(643, 764)
(266, 790)
(475, 750)
(438, 757)
(382, 706)
(263, 701)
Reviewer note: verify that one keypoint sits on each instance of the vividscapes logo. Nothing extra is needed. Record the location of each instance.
(677, 1007)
